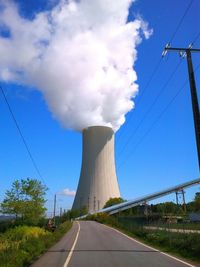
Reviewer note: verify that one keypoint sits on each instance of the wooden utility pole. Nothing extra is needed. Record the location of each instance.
(54, 209)
(186, 52)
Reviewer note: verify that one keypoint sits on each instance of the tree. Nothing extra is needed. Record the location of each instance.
(167, 208)
(74, 213)
(197, 202)
(25, 200)
(190, 206)
(113, 201)
(194, 206)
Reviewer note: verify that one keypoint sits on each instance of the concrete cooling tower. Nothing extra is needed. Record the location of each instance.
(98, 180)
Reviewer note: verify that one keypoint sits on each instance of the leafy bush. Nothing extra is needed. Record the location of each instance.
(113, 201)
(5, 225)
(21, 245)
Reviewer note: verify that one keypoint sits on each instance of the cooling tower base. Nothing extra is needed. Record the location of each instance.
(98, 180)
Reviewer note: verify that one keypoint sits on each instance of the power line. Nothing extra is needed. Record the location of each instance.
(21, 135)
(181, 21)
(153, 124)
(156, 121)
(196, 38)
(158, 65)
(151, 78)
(151, 107)
(144, 90)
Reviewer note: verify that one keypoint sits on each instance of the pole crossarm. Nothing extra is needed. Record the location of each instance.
(182, 49)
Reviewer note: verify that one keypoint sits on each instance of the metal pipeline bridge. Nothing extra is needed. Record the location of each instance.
(138, 201)
(143, 200)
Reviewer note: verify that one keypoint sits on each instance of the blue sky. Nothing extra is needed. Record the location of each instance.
(149, 156)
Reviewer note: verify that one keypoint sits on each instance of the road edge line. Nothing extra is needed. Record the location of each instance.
(72, 249)
(166, 254)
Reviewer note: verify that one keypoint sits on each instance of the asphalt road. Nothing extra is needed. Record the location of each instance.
(90, 244)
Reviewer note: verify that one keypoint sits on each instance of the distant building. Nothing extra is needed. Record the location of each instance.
(194, 217)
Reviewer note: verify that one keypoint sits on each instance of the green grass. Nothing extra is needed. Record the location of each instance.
(21, 245)
(180, 245)
(143, 221)
(186, 226)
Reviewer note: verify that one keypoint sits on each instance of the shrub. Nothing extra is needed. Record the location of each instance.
(21, 245)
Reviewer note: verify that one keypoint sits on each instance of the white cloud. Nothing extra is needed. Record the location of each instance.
(79, 55)
(67, 192)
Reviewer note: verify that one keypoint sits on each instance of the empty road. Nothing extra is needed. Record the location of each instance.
(90, 244)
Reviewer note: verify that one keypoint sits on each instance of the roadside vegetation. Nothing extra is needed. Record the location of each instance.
(186, 245)
(25, 200)
(178, 226)
(113, 201)
(72, 214)
(21, 245)
(29, 233)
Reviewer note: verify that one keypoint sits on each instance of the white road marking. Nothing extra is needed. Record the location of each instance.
(166, 254)
(72, 249)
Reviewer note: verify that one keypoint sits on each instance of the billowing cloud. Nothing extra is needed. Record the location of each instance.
(67, 192)
(80, 55)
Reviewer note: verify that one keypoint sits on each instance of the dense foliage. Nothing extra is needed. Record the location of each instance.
(113, 201)
(194, 205)
(19, 246)
(25, 200)
(167, 208)
(75, 213)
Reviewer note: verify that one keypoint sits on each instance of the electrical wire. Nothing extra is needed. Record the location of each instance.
(145, 115)
(156, 121)
(158, 65)
(181, 21)
(153, 124)
(22, 136)
(196, 38)
(143, 92)
(151, 107)
(149, 81)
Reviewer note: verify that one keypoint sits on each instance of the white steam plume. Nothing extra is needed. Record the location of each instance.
(80, 55)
